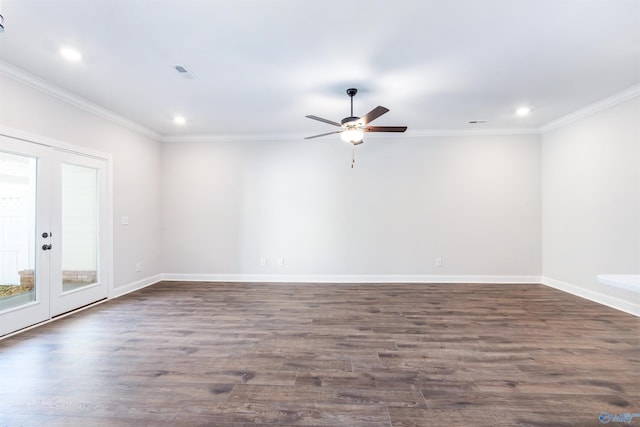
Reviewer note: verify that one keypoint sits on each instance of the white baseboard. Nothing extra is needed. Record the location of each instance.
(134, 286)
(347, 278)
(622, 305)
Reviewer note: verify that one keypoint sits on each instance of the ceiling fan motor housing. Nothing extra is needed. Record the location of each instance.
(350, 121)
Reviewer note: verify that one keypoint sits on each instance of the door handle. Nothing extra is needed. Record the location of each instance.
(46, 247)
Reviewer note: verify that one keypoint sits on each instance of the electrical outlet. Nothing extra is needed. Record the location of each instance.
(138, 266)
(263, 262)
(438, 262)
(281, 262)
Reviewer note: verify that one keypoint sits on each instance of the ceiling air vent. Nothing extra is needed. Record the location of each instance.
(183, 72)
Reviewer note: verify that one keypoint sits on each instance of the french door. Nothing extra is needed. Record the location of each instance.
(52, 232)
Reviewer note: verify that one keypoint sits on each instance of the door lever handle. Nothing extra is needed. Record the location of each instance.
(46, 247)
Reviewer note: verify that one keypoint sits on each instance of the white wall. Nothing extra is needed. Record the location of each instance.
(473, 201)
(136, 169)
(591, 203)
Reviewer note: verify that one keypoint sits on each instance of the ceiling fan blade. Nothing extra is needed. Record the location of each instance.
(384, 128)
(324, 134)
(331, 122)
(373, 114)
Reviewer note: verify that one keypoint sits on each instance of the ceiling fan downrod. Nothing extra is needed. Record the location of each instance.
(352, 92)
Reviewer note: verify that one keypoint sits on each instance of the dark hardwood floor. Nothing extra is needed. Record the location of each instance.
(223, 354)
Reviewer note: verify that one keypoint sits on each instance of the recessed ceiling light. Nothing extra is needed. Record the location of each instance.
(523, 111)
(179, 120)
(71, 54)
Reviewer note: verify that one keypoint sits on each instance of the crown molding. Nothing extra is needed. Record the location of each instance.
(605, 103)
(41, 85)
(296, 137)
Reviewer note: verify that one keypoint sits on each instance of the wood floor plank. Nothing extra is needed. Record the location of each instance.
(375, 355)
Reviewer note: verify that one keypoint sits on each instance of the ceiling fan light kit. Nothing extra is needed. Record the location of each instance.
(353, 135)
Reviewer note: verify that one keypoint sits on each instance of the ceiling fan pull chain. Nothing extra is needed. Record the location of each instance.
(353, 156)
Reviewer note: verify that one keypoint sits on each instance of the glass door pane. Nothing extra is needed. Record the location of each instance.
(17, 230)
(79, 226)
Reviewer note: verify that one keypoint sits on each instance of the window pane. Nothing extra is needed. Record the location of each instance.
(79, 226)
(17, 230)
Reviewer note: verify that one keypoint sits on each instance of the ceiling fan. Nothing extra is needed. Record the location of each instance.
(353, 128)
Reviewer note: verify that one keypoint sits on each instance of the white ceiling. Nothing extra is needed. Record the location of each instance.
(259, 66)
